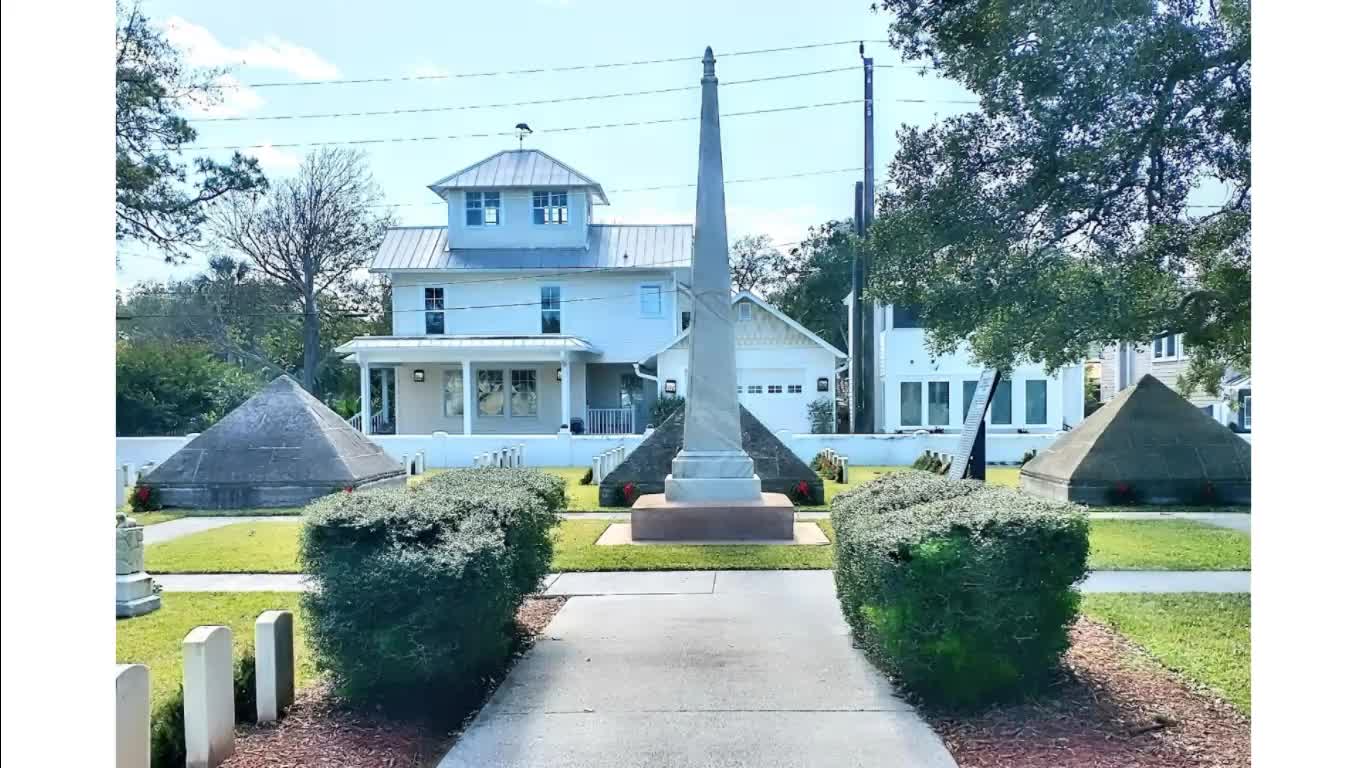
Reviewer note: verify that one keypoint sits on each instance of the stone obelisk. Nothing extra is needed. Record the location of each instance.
(712, 492)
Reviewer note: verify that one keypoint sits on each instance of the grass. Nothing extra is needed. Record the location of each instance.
(575, 551)
(154, 639)
(1167, 545)
(152, 518)
(255, 547)
(1205, 638)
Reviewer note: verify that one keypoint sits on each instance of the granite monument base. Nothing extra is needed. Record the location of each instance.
(134, 595)
(770, 517)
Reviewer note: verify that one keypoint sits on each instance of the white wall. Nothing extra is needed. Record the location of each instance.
(906, 358)
(515, 228)
(603, 309)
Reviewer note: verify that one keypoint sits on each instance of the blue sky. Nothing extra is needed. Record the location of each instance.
(288, 42)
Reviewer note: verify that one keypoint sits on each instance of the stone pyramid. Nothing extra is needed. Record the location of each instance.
(1148, 444)
(281, 448)
(778, 468)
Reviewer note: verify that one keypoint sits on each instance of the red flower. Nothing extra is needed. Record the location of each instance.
(629, 492)
(143, 493)
(803, 488)
(348, 489)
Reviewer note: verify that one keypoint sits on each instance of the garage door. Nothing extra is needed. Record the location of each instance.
(775, 396)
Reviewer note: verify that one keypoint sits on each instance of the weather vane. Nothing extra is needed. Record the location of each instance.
(522, 130)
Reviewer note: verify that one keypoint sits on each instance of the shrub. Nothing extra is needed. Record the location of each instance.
(825, 467)
(587, 478)
(244, 688)
(168, 731)
(820, 415)
(1029, 456)
(801, 493)
(416, 589)
(962, 590)
(664, 407)
(145, 498)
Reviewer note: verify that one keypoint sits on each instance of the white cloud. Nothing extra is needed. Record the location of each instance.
(203, 49)
(233, 99)
(280, 161)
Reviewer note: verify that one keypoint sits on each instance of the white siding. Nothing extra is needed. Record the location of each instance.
(603, 309)
(418, 406)
(515, 228)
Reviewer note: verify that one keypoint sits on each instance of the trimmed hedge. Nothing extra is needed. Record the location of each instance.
(964, 591)
(416, 589)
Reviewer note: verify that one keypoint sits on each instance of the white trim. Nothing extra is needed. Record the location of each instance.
(640, 303)
(767, 308)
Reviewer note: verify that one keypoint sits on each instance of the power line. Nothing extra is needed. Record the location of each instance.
(532, 102)
(492, 134)
(536, 70)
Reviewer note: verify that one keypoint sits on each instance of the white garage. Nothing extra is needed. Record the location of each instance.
(780, 365)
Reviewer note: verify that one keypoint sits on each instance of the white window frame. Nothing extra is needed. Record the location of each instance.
(430, 295)
(512, 393)
(557, 310)
(659, 295)
(1178, 347)
(745, 311)
(948, 402)
(502, 387)
(483, 198)
(552, 211)
(901, 411)
(1045, 402)
(453, 376)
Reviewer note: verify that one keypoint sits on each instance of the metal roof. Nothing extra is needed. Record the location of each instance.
(519, 168)
(610, 246)
(537, 342)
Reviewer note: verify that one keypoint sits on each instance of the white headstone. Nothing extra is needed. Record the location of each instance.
(208, 696)
(134, 594)
(132, 716)
(274, 664)
(407, 467)
(421, 460)
(597, 470)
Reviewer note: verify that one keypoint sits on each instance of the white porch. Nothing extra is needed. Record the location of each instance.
(493, 385)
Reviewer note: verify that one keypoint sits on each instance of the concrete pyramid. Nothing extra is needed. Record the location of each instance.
(778, 468)
(281, 448)
(1148, 444)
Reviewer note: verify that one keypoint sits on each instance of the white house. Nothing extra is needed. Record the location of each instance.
(917, 390)
(522, 316)
(1165, 357)
(781, 367)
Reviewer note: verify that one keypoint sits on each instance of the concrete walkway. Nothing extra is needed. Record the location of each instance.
(757, 669)
(640, 583)
(174, 529)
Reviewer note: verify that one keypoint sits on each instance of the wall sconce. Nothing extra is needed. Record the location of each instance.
(822, 384)
(670, 386)
(559, 374)
(419, 375)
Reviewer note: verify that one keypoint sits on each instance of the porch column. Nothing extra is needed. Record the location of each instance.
(365, 398)
(384, 395)
(467, 377)
(566, 390)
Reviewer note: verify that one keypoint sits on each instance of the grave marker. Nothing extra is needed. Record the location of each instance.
(970, 460)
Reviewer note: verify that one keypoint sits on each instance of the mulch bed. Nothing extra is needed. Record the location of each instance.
(1112, 706)
(319, 731)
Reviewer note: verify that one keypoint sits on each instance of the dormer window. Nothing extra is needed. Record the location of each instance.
(482, 209)
(550, 207)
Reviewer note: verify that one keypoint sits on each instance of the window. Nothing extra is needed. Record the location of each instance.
(755, 389)
(481, 209)
(1246, 415)
(775, 389)
(910, 404)
(1001, 403)
(490, 392)
(794, 389)
(550, 207)
(906, 316)
(651, 301)
(550, 309)
(435, 302)
(1169, 346)
(939, 403)
(1036, 401)
(687, 320)
(746, 311)
(524, 392)
(631, 390)
(969, 392)
(453, 393)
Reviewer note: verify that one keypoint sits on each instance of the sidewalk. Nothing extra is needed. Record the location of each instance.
(725, 582)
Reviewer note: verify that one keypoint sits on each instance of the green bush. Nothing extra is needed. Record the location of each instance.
(820, 415)
(664, 407)
(964, 591)
(244, 688)
(168, 732)
(172, 389)
(416, 589)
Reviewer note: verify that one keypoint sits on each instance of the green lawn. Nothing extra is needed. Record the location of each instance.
(1167, 545)
(152, 518)
(1204, 637)
(254, 547)
(575, 551)
(155, 639)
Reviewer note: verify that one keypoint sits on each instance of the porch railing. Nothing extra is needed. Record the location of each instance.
(611, 421)
(376, 424)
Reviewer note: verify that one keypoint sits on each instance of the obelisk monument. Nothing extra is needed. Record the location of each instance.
(712, 492)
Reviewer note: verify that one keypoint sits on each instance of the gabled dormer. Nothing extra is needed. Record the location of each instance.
(519, 198)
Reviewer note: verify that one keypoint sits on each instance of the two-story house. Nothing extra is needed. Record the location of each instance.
(917, 390)
(1166, 358)
(523, 316)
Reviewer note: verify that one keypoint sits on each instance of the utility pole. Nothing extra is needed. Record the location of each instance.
(856, 369)
(864, 349)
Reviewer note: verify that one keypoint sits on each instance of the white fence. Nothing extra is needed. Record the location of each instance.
(611, 421)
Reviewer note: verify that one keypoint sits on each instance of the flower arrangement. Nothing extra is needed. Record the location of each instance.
(801, 493)
(145, 499)
(629, 492)
(1122, 493)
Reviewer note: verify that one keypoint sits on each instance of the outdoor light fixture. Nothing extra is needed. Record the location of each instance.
(419, 375)
(670, 386)
(559, 374)
(822, 384)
